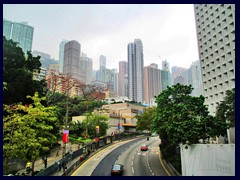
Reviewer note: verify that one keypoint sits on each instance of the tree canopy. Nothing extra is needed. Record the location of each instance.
(226, 108)
(27, 130)
(145, 119)
(181, 118)
(18, 74)
(96, 120)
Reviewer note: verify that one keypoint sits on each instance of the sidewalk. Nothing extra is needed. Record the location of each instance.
(51, 159)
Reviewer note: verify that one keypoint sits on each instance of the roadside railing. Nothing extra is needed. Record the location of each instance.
(82, 154)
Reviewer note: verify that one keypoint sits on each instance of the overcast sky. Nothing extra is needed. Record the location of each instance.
(167, 31)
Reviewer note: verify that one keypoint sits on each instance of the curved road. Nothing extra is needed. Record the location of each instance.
(136, 163)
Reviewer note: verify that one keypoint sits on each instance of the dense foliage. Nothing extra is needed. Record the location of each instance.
(28, 130)
(226, 108)
(181, 118)
(94, 120)
(145, 119)
(18, 73)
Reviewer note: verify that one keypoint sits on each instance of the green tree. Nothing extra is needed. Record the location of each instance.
(226, 108)
(76, 129)
(145, 119)
(96, 120)
(18, 74)
(181, 118)
(28, 130)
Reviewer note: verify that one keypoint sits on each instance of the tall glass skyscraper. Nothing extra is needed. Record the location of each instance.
(135, 71)
(20, 33)
(61, 54)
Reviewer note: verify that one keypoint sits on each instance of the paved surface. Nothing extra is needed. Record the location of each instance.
(52, 158)
(88, 166)
(83, 170)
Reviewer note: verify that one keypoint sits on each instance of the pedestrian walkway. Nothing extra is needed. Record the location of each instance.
(54, 157)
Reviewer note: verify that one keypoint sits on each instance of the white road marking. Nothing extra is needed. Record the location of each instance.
(132, 170)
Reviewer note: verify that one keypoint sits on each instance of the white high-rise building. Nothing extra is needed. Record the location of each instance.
(123, 79)
(216, 42)
(135, 71)
(61, 55)
(86, 68)
(102, 67)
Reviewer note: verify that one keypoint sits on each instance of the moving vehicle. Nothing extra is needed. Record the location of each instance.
(117, 170)
(144, 147)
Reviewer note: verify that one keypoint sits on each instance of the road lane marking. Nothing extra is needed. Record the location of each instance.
(111, 146)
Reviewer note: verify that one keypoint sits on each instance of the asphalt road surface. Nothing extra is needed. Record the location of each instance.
(128, 153)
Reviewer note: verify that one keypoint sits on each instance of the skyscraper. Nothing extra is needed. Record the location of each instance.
(215, 24)
(102, 67)
(152, 82)
(123, 76)
(61, 54)
(176, 72)
(195, 72)
(21, 33)
(71, 65)
(86, 68)
(135, 71)
(165, 75)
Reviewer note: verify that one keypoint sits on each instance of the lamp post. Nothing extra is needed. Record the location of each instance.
(65, 131)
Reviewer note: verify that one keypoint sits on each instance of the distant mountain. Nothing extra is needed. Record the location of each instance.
(45, 59)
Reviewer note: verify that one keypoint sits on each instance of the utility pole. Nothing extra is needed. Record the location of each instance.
(66, 126)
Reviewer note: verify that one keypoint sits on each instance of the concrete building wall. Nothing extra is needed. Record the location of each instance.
(215, 24)
(71, 64)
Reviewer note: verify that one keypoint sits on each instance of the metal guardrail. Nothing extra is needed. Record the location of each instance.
(54, 168)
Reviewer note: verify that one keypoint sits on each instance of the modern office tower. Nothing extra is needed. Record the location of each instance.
(89, 71)
(123, 79)
(21, 33)
(196, 78)
(98, 75)
(215, 24)
(115, 80)
(71, 65)
(61, 54)
(165, 65)
(111, 78)
(179, 80)
(94, 73)
(135, 71)
(165, 75)
(152, 82)
(102, 67)
(86, 68)
(177, 71)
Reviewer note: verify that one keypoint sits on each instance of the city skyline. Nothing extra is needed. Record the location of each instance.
(167, 31)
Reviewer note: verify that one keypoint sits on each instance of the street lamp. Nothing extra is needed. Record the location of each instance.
(65, 131)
